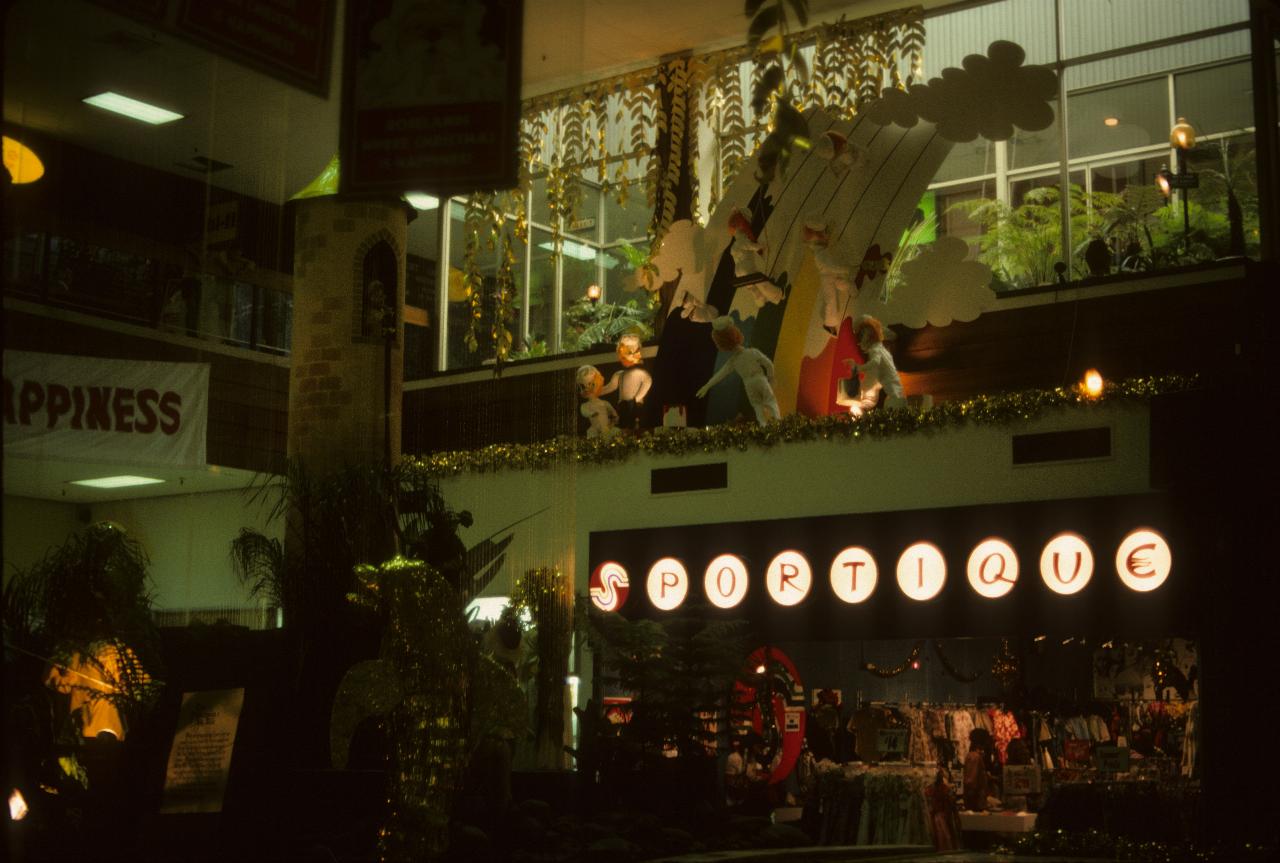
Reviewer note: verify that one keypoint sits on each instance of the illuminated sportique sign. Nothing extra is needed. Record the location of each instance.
(992, 568)
(1143, 563)
(1066, 564)
(668, 584)
(609, 586)
(853, 574)
(788, 578)
(922, 571)
(725, 581)
(1143, 560)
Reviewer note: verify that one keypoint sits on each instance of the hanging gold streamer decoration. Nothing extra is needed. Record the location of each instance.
(504, 302)
(840, 66)
(912, 660)
(880, 424)
(548, 596)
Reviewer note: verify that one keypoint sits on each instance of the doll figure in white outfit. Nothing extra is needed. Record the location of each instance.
(877, 373)
(599, 413)
(753, 367)
(833, 277)
(632, 383)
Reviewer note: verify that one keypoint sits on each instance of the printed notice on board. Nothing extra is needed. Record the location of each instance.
(200, 758)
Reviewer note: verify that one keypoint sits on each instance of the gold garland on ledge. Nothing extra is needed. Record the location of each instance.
(880, 424)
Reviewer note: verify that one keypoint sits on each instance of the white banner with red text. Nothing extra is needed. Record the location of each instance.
(90, 409)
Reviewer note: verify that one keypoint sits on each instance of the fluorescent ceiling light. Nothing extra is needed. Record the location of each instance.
(116, 481)
(421, 200)
(132, 108)
(581, 251)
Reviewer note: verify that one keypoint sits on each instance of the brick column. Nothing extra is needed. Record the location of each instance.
(336, 381)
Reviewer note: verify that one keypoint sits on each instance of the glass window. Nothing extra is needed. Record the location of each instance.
(970, 159)
(587, 224)
(275, 322)
(1029, 23)
(1102, 25)
(1120, 118)
(1218, 99)
(627, 221)
(955, 216)
(418, 353)
(461, 307)
(542, 287)
(578, 272)
(1223, 211)
(1028, 149)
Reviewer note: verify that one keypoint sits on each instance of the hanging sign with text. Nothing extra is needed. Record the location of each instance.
(118, 411)
(200, 758)
(431, 97)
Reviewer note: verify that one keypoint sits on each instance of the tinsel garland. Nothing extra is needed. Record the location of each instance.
(1099, 845)
(880, 424)
(886, 673)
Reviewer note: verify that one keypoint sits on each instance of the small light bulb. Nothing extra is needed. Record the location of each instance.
(915, 665)
(1111, 122)
(1093, 383)
(593, 292)
(759, 669)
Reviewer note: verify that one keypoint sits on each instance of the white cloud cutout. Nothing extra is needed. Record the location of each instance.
(940, 286)
(988, 97)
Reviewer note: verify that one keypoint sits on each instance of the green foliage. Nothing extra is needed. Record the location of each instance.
(781, 75)
(1142, 229)
(680, 671)
(90, 591)
(354, 515)
(589, 324)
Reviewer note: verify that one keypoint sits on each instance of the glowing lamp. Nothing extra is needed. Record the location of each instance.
(17, 803)
(1164, 181)
(23, 165)
(1092, 384)
(593, 293)
(915, 665)
(1111, 122)
(1182, 135)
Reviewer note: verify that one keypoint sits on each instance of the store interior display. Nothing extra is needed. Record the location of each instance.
(895, 753)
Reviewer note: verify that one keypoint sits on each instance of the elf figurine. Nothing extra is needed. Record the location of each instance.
(876, 374)
(632, 383)
(753, 367)
(599, 413)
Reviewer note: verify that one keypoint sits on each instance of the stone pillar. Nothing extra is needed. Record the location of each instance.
(345, 254)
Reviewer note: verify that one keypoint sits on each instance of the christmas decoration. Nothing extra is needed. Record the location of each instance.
(912, 662)
(1007, 665)
(888, 423)
(951, 669)
(753, 367)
